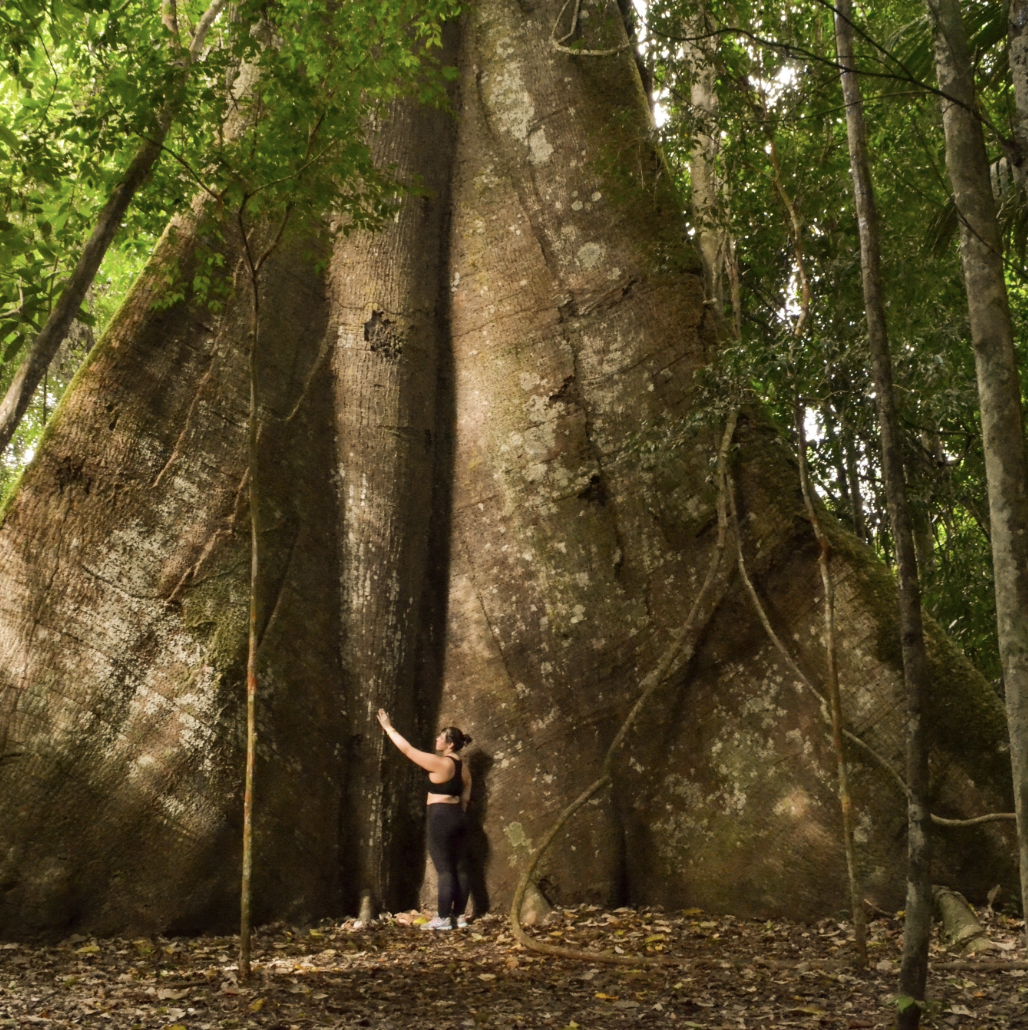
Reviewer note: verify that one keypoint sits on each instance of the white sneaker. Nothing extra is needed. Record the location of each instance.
(462, 923)
(438, 923)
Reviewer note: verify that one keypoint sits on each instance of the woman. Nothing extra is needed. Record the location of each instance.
(449, 788)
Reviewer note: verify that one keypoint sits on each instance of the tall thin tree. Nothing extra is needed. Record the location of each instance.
(254, 261)
(918, 923)
(711, 237)
(1017, 56)
(999, 389)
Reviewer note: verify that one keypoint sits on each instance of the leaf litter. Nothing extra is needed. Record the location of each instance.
(390, 974)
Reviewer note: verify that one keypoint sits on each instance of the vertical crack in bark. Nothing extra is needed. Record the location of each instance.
(597, 457)
(499, 146)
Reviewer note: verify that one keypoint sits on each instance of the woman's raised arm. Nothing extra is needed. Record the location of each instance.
(431, 763)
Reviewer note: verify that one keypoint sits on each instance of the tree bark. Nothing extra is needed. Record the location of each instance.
(1017, 30)
(999, 392)
(856, 500)
(711, 237)
(959, 922)
(917, 926)
(388, 339)
(582, 522)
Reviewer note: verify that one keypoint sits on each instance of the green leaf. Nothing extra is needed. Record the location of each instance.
(905, 1001)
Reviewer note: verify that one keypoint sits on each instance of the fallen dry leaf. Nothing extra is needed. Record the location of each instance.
(390, 973)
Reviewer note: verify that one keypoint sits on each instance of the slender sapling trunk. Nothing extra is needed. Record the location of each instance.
(245, 916)
(710, 236)
(918, 923)
(999, 391)
(253, 267)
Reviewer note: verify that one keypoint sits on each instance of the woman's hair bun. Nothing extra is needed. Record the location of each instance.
(456, 738)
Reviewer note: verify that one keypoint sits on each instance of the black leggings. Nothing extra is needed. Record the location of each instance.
(447, 827)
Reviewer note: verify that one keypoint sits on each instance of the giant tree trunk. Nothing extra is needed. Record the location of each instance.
(578, 323)
(579, 535)
(389, 338)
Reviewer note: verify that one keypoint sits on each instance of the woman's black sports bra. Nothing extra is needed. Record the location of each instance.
(453, 786)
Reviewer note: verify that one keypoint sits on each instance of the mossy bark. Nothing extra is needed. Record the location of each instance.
(124, 556)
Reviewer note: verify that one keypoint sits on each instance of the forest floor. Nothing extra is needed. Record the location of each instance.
(392, 975)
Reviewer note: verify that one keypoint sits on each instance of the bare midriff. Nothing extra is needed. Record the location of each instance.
(443, 799)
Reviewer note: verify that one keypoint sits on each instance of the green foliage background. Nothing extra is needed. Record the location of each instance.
(81, 87)
(778, 87)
